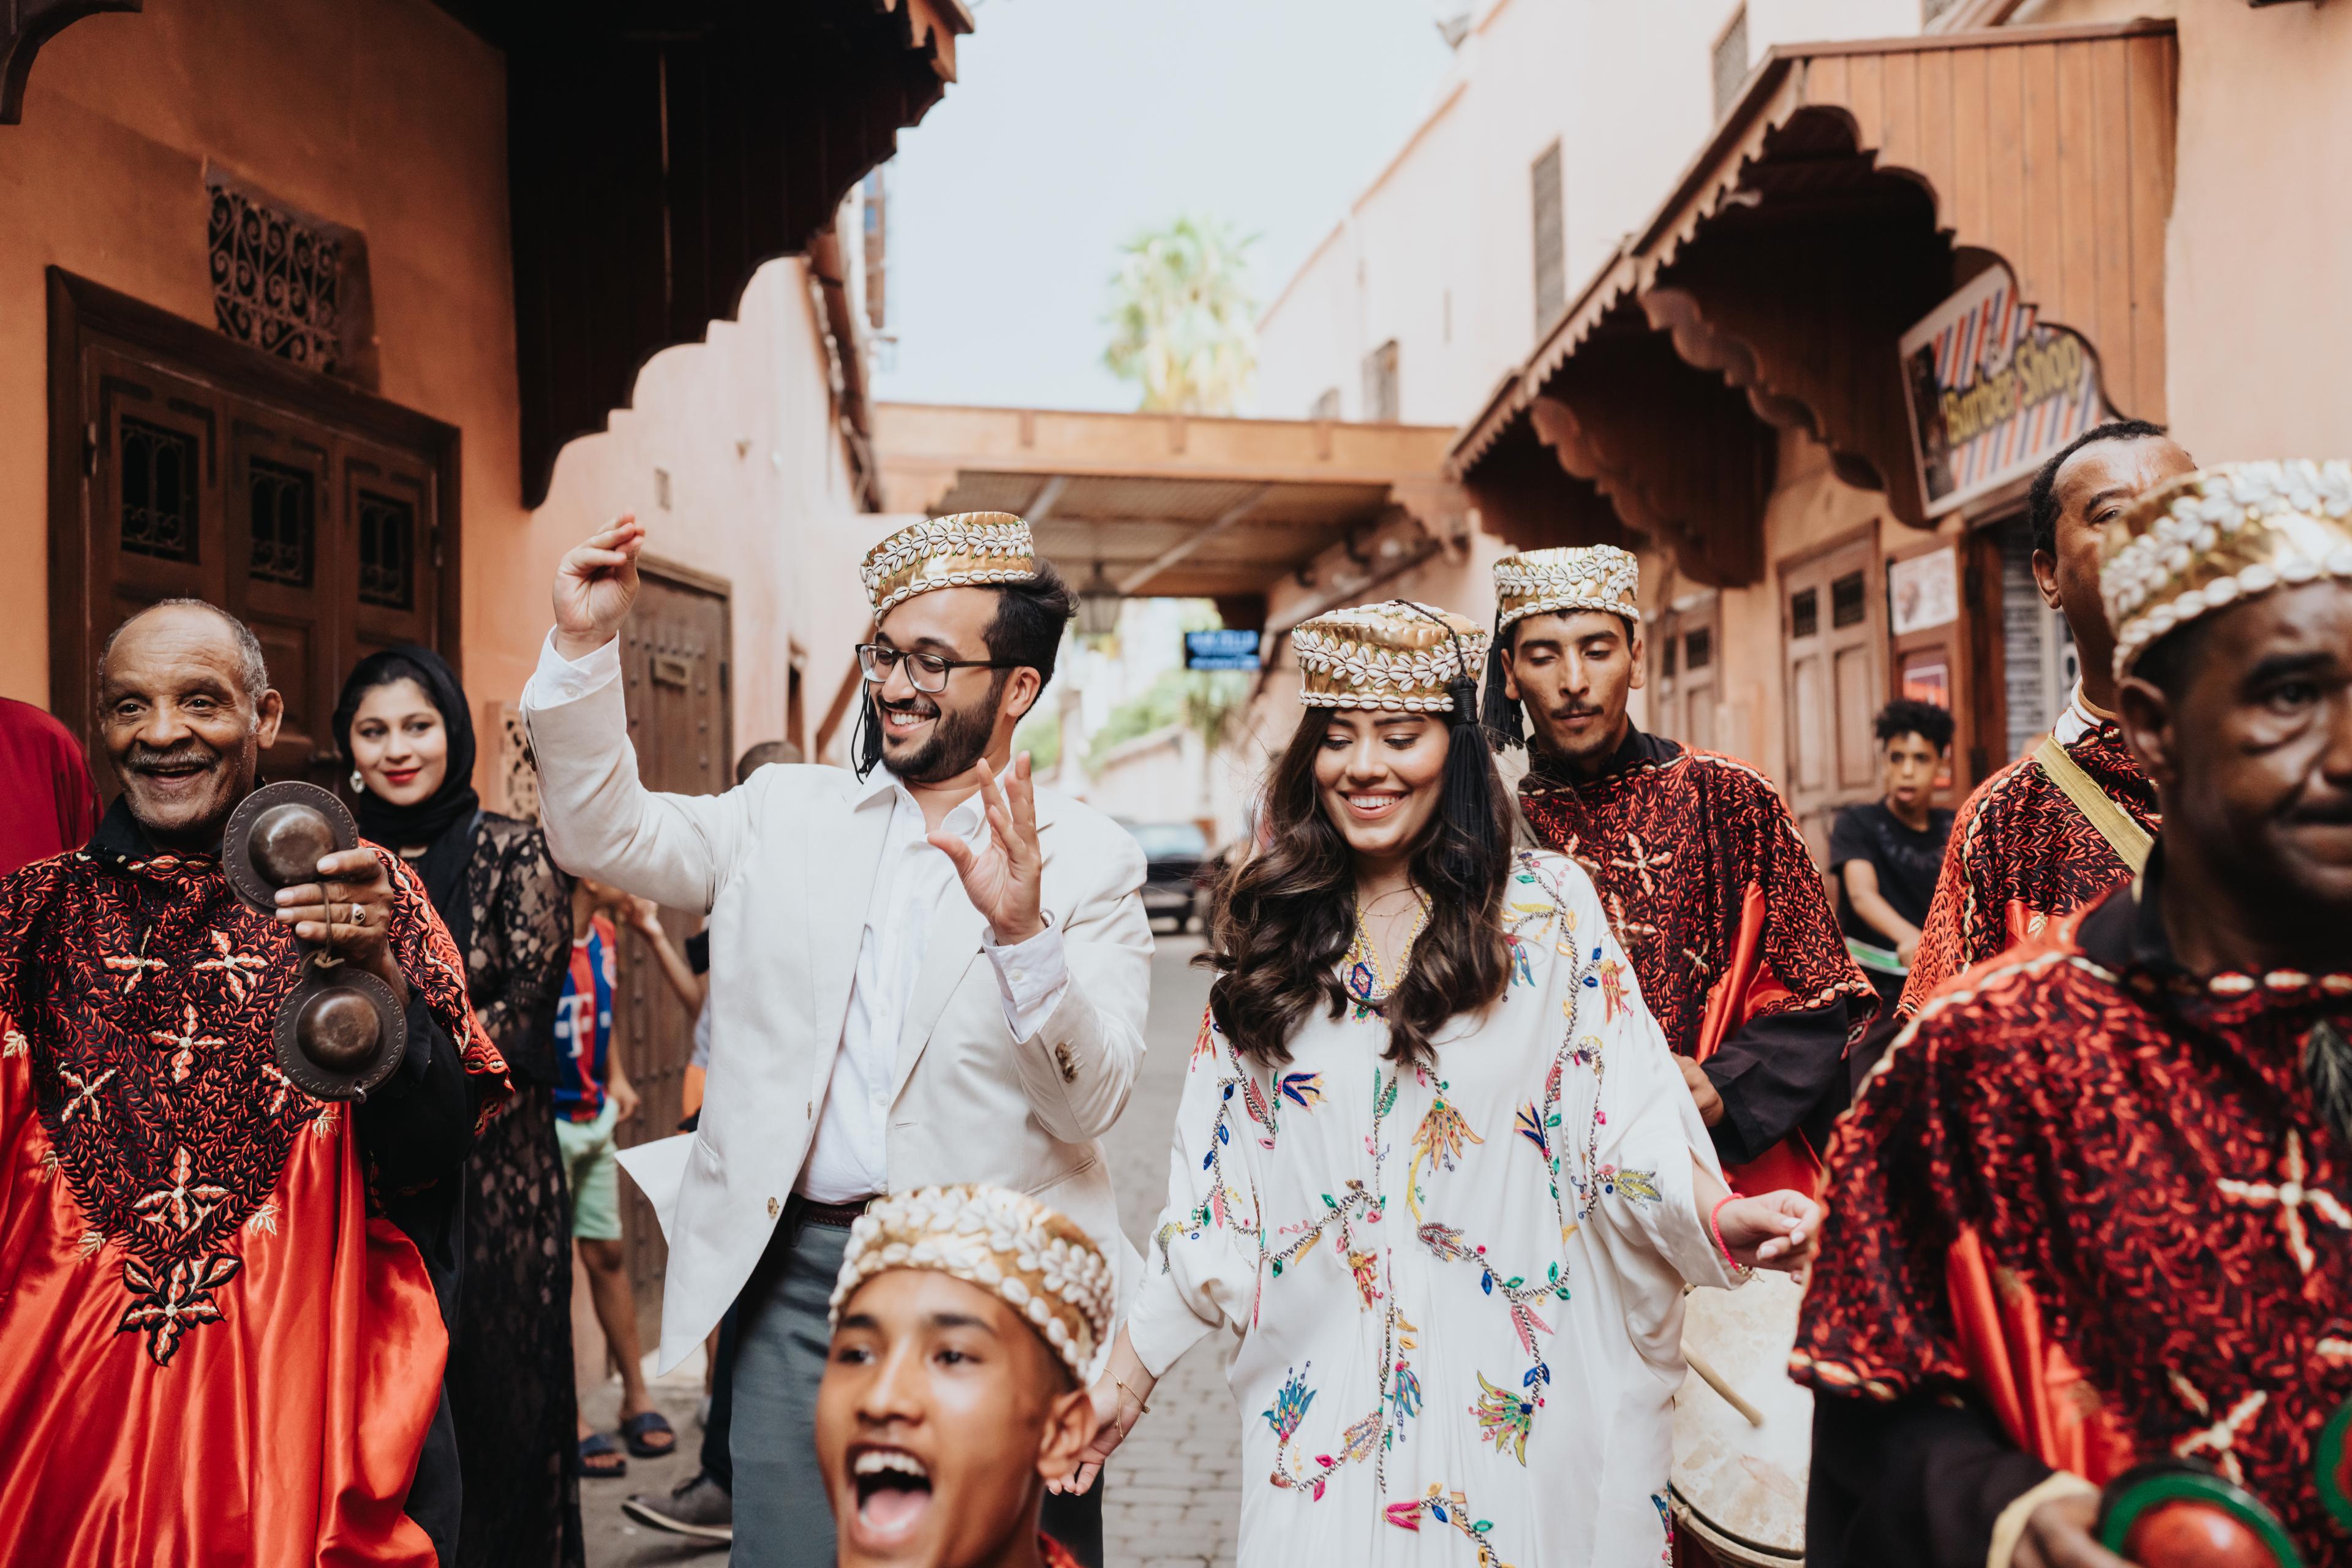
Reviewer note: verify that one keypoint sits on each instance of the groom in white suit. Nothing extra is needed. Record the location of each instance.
(932, 973)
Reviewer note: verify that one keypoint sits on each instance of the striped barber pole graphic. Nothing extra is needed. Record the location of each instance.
(1992, 391)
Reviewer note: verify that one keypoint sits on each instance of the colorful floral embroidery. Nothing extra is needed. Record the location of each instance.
(1506, 1417)
(1438, 1141)
(1449, 1509)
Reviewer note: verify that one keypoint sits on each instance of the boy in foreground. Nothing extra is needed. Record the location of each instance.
(964, 1326)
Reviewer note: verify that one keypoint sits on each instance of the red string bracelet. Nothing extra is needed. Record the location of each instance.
(1715, 1225)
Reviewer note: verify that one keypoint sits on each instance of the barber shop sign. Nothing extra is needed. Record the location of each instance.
(1992, 391)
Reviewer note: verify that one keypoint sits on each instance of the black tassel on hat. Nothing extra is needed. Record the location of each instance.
(1468, 757)
(1505, 725)
(869, 736)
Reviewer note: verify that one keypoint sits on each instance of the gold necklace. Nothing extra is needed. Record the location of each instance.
(1368, 978)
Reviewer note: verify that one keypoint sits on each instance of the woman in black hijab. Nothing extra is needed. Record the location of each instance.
(404, 725)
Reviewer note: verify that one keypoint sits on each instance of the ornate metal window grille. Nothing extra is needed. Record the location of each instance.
(277, 280)
(1805, 613)
(1847, 604)
(387, 551)
(282, 502)
(157, 483)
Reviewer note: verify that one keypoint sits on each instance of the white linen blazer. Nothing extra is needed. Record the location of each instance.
(785, 865)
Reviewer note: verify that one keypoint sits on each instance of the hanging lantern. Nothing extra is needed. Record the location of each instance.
(1099, 602)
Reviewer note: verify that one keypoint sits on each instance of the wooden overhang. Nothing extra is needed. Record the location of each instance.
(659, 153)
(1851, 188)
(1175, 505)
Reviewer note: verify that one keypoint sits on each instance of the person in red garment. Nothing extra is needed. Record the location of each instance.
(2094, 1208)
(222, 1338)
(1707, 881)
(2055, 830)
(46, 803)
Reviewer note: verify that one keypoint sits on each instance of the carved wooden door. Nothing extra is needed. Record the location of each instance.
(185, 466)
(675, 653)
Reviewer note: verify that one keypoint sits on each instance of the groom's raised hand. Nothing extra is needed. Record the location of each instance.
(596, 585)
(1003, 878)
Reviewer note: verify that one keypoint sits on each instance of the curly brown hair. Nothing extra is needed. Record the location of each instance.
(1280, 923)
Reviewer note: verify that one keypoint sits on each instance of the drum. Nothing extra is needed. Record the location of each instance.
(1739, 1488)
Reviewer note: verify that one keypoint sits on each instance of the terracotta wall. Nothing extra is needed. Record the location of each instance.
(760, 494)
(382, 115)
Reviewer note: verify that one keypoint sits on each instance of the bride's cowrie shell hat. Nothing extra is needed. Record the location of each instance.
(967, 549)
(2208, 539)
(1388, 657)
(1036, 1261)
(1563, 580)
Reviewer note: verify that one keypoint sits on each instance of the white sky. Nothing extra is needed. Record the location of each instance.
(1075, 124)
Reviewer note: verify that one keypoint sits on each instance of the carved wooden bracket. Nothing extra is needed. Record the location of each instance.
(25, 27)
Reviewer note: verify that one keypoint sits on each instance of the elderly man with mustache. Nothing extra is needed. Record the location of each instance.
(1707, 881)
(224, 1330)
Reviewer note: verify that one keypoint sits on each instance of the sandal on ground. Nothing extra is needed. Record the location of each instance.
(637, 1430)
(595, 1447)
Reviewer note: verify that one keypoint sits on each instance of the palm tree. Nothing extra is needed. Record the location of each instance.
(1181, 318)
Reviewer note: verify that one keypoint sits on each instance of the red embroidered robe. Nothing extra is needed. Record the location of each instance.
(2019, 855)
(2098, 1194)
(213, 1348)
(1712, 894)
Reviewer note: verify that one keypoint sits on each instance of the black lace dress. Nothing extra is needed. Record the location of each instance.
(511, 1380)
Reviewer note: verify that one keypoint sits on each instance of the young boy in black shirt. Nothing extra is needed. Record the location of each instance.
(1885, 854)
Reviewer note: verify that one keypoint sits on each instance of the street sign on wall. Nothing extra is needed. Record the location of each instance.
(1223, 649)
(1993, 392)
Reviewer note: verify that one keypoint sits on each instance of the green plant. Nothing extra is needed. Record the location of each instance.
(1181, 318)
(1040, 735)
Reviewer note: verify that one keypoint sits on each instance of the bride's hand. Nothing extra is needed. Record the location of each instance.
(1119, 1396)
(1780, 1231)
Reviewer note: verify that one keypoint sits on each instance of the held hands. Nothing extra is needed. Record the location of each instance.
(1702, 1088)
(594, 586)
(1119, 1396)
(349, 912)
(1780, 1231)
(1003, 878)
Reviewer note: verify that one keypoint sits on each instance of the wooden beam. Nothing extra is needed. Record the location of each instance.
(1184, 549)
(1048, 496)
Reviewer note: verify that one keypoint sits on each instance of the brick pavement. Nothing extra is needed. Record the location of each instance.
(1174, 1489)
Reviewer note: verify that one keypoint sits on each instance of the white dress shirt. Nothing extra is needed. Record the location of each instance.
(848, 1159)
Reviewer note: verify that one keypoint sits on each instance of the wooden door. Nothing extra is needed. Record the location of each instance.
(676, 657)
(1685, 654)
(186, 465)
(1832, 616)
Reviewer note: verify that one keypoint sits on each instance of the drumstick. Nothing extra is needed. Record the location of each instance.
(1714, 1380)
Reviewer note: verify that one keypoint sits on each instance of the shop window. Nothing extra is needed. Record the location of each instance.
(387, 551)
(1551, 238)
(1685, 700)
(1381, 398)
(281, 502)
(1730, 62)
(157, 483)
(1698, 649)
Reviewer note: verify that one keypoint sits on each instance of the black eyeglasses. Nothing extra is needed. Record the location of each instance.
(926, 672)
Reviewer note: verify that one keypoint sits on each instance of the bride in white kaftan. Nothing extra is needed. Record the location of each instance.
(1458, 1293)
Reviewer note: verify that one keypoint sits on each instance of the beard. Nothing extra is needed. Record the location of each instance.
(959, 737)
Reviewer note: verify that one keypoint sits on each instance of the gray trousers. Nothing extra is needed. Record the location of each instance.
(782, 1516)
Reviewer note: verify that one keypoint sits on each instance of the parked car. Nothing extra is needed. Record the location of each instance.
(1175, 853)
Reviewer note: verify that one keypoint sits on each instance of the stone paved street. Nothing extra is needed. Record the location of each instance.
(1175, 1486)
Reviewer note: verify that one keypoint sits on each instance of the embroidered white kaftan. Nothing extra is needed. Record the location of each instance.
(1458, 1291)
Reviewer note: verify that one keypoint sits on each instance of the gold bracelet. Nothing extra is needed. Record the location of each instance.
(1142, 1406)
